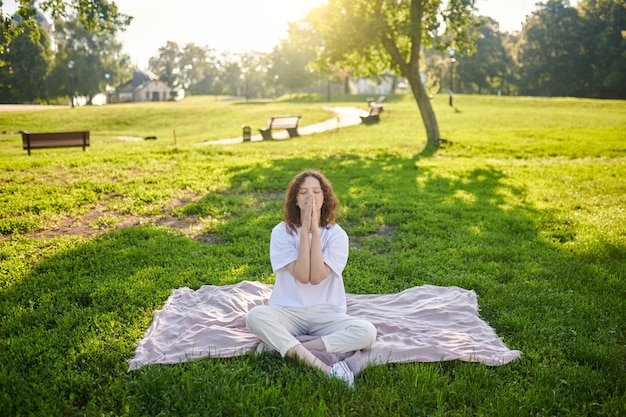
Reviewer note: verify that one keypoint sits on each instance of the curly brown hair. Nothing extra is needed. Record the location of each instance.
(292, 212)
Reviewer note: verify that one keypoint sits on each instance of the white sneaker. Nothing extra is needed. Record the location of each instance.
(340, 370)
(262, 348)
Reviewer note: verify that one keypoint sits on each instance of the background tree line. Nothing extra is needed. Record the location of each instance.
(560, 51)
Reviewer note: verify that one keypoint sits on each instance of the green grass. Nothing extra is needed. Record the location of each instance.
(526, 205)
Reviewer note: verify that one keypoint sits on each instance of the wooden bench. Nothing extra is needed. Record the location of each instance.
(379, 102)
(54, 140)
(373, 116)
(290, 123)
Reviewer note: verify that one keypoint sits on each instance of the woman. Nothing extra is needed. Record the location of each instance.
(308, 252)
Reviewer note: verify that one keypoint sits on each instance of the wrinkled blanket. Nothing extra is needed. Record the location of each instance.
(421, 324)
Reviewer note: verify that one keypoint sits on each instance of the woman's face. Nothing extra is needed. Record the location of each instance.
(310, 187)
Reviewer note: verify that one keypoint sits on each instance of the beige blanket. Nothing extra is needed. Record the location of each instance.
(421, 324)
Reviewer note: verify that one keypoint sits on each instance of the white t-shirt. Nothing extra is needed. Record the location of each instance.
(288, 291)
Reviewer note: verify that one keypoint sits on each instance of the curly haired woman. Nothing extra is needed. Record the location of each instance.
(308, 252)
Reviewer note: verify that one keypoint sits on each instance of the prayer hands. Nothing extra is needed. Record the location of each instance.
(310, 219)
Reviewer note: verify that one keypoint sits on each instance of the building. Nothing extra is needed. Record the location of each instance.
(145, 86)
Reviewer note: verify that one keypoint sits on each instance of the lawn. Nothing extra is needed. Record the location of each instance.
(525, 204)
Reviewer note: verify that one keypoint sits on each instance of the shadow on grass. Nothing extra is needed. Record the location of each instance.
(74, 319)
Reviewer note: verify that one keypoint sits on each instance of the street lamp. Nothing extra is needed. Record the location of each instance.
(107, 88)
(451, 53)
(244, 74)
(247, 86)
(70, 66)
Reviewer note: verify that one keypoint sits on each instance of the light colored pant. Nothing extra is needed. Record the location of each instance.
(279, 326)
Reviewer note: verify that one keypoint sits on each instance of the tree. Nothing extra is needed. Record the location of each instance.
(94, 15)
(193, 62)
(26, 64)
(551, 56)
(509, 42)
(230, 74)
(167, 64)
(605, 22)
(194, 69)
(253, 74)
(354, 31)
(486, 69)
(199, 69)
(94, 55)
(289, 60)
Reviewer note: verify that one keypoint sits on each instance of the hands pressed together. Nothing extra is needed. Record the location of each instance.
(309, 268)
(311, 217)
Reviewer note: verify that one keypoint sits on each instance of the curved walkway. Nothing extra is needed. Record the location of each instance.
(28, 107)
(344, 116)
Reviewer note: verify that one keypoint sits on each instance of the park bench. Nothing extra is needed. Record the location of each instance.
(379, 101)
(54, 140)
(290, 123)
(373, 116)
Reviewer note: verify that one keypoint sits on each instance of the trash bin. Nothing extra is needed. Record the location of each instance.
(247, 133)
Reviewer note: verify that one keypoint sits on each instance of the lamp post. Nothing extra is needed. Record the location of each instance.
(451, 53)
(276, 78)
(245, 74)
(107, 88)
(70, 66)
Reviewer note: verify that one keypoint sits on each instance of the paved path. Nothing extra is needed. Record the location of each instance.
(28, 107)
(344, 116)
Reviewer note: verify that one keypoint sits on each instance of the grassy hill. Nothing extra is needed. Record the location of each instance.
(525, 204)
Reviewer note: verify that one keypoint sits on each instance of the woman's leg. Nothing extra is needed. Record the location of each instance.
(301, 352)
(277, 327)
(341, 333)
(315, 344)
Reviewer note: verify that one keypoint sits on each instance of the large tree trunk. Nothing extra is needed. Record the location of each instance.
(411, 70)
(425, 108)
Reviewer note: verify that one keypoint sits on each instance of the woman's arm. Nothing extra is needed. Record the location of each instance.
(310, 266)
(319, 270)
(301, 267)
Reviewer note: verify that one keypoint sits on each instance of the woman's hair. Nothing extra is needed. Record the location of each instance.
(292, 211)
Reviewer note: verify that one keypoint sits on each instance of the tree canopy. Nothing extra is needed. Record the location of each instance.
(30, 60)
(94, 15)
(560, 50)
(371, 36)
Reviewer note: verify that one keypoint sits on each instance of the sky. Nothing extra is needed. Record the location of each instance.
(244, 25)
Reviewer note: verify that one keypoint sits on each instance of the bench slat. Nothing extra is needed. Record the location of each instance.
(276, 122)
(54, 140)
(54, 143)
(281, 122)
(283, 125)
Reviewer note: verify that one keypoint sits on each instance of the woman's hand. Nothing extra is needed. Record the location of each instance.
(305, 216)
(310, 217)
(309, 268)
(315, 216)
